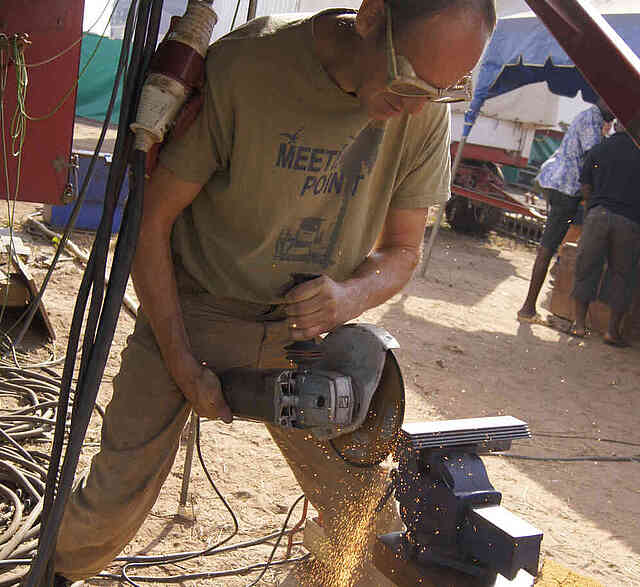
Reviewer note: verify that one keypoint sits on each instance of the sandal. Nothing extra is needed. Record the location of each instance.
(578, 333)
(535, 319)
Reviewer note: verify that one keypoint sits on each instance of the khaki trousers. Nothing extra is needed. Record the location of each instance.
(144, 420)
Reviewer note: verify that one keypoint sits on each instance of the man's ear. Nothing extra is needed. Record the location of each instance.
(370, 16)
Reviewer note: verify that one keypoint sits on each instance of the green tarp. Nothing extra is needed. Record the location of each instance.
(542, 148)
(96, 84)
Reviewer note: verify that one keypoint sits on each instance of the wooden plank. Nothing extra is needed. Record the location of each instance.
(33, 289)
(13, 291)
(408, 573)
(562, 303)
(317, 543)
(9, 241)
(387, 569)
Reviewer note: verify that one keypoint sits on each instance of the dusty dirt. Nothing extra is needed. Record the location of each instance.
(463, 354)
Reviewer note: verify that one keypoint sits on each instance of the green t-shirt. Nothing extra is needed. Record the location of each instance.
(277, 197)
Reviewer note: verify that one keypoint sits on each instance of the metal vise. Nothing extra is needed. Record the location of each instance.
(452, 512)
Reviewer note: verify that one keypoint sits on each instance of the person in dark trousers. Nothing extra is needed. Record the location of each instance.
(559, 178)
(611, 188)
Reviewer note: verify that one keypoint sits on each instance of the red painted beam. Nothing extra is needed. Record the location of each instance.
(490, 154)
(512, 206)
(603, 58)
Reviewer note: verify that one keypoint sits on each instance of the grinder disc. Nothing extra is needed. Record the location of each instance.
(370, 444)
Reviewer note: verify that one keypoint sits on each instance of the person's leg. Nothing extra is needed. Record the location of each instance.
(140, 437)
(614, 335)
(538, 275)
(580, 311)
(618, 285)
(139, 441)
(562, 209)
(589, 264)
(345, 496)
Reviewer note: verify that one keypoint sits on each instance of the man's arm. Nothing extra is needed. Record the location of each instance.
(154, 280)
(320, 305)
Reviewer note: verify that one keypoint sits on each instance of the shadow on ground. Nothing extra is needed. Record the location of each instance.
(453, 255)
(561, 387)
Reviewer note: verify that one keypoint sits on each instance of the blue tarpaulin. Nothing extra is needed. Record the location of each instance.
(522, 51)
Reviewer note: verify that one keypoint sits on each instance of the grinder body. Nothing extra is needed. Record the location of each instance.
(290, 398)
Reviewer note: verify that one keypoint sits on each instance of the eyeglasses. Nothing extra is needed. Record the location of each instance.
(403, 81)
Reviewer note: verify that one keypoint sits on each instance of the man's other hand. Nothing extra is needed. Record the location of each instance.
(318, 306)
(204, 392)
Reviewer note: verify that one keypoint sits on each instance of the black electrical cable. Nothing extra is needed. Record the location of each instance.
(577, 437)
(36, 383)
(594, 458)
(579, 458)
(131, 580)
(76, 325)
(102, 316)
(207, 550)
(100, 250)
(275, 546)
(235, 15)
(219, 548)
(170, 558)
(23, 472)
(45, 547)
(208, 574)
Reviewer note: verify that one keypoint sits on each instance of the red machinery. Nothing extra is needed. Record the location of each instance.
(480, 196)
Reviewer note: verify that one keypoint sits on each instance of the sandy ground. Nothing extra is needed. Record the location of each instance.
(463, 354)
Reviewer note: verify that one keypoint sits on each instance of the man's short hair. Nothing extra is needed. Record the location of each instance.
(404, 11)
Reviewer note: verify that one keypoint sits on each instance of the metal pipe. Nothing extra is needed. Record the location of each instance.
(188, 462)
(426, 257)
(251, 12)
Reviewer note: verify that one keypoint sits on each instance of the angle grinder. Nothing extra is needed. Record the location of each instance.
(346, 389)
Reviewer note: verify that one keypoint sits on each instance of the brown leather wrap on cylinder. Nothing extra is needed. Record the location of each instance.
(180, 62)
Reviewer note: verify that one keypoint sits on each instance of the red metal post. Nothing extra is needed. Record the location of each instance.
(54, 28)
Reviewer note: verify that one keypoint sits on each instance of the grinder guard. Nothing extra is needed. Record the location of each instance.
(363, 351)
(376, 438)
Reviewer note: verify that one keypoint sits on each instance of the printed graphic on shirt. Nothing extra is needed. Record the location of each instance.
(308, 243)
(318, 167)
(326, 173)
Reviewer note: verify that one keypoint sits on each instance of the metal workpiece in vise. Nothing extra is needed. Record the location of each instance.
(346, 389)
(175, 72)
(452, 513)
